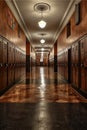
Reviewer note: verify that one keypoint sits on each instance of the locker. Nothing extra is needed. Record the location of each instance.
(83, 82)
(83, 64)
(73, 76)
(82, 69)
(10, 64)
(1, 52)
(1, 65)
(1, 78)
(85, 45)
(82, 52)
(86, 80)
(77, 77)
(76, 53)
(69, 65)
(73, 54)
(85, 69)
(5, 65)
(76, 65)
(66, 65)
(16, 62)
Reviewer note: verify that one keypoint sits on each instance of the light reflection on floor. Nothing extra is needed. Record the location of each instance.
(42, 84)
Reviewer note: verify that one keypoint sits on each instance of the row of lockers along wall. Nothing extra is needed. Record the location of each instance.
(63, 64)
(12, 64)
(74, 64)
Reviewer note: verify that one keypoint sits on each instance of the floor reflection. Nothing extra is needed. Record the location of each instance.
(42, 117)
(42, 84)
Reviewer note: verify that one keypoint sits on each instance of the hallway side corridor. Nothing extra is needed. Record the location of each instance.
(42, 100)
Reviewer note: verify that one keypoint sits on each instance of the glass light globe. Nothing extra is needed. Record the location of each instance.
(42, 41)
(42, 24)
(42, 49)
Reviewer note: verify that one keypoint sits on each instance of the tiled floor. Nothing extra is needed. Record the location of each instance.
(42, 100)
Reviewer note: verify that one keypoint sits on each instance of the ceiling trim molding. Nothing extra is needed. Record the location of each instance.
(70, 10)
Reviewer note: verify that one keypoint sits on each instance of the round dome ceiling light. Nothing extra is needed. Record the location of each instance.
(42, 41)
(42, 24)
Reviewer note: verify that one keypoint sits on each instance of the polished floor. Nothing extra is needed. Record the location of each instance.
(42, 84)
(42, 100)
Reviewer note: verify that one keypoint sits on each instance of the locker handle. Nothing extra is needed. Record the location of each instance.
(82, 65)
(1, 65)
(6, 65)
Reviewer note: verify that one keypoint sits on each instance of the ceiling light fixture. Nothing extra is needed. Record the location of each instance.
(42, 41)
(41, 8)
(42, 24)
(42, 49)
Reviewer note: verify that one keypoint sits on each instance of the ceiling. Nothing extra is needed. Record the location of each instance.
(27, 13)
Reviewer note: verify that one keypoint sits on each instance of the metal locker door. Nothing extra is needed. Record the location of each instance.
(67, 64)
(9, 63)
(85, 45)
(85, 71)
(82, 69)
(1, 51)
(76, 64)
(73, 64)
(85, 62)
(1, 64)
(5, 64)
(1, 78)
(19, 66)
(83, 81)
(12, 62)
(86, 79)
(16, 64)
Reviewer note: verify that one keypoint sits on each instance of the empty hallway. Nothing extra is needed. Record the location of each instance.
(43, 64)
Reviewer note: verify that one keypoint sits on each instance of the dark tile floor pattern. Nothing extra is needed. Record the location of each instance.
(42, 100)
